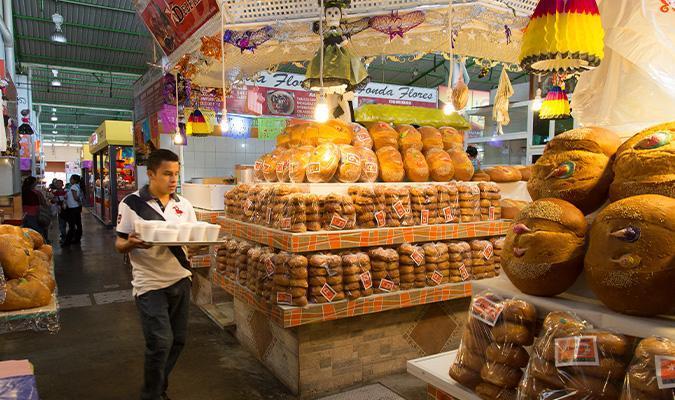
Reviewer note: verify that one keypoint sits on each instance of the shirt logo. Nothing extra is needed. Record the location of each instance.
(119, 218)
(178, 211)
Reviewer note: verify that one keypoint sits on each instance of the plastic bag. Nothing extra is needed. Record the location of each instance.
(338, 213)
(459, 257)
(232, 206)
(241, 262)
(369, 113)
(437, 263)
(282, 166)
(221, 258)
(294, 213)
(411, 266)
(290, 279)
(490, 206)
(440, 164)
(356, 279)
(448, 203)
(313, 212)
(647, 376)
(364, 203)
(498, 245)
(482, 260)
(262, 209)
(415, 165)
(469, 202)
(298, 163)
(258, 173)
(254, 254)
(230, 260)
(383, 135)
(408, 138)
(396, 205)
(323, 162)
(349, 169)
(269, 166)
(279, 216)
(362, 137)
(325, 278)
(424, 204)
(384, 264)
(369, 165)
(266, 276)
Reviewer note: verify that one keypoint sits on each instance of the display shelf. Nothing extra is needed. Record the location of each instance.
(434, 371)
(347, 239)
(287, 316)
(580, 300)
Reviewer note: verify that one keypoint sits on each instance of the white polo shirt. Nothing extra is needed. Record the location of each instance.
(159, 266)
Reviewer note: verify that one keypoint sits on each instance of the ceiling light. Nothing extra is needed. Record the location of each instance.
(53, 109)
(55, 82)
(58, 36)
(54, 118)
(55, 132)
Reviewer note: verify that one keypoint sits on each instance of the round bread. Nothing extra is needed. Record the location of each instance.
(562, 323)
(592, 388)
(465, 376)
(546, 372)
(511, 208)
(630, 262)
(508, 332)
(531, 388)
(471, 360)
(644, 164)
(14, 258)
(519, 311)
(441, 168)
(509, 354)
(391, 164)
(503, 173)
(463, 166)
(654, 345)
(576, 167)
(544, 251)
(480, 176)
(609, 369)
(501, 375)
(643, 378)
(488, 391)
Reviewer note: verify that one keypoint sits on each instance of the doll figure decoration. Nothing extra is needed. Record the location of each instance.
(343, 70)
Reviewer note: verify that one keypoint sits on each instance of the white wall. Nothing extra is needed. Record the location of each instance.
(61, 153)
(216, 156)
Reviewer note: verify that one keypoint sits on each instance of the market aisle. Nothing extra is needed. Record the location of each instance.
(98, 353)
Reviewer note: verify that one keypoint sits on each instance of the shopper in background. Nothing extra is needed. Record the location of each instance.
(161, 275)
(37, 215)
(74, 211)
(59, 205)
(472, 152)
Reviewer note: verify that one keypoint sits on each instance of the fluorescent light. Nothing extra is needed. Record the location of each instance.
(53, 109)
(54, 118)
(55, 82)
(58, 37)
(55, 132)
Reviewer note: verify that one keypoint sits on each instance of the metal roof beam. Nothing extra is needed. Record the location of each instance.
(100, 6)
(83, 26)
(80, 82)
(70, 60)
(82, 70)
(81, 107)
(85, 45)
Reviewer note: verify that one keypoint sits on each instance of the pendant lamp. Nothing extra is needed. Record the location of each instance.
(556, 105)
(197, 124)
(563, 36)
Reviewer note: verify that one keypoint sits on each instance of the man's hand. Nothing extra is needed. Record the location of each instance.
(132, 242)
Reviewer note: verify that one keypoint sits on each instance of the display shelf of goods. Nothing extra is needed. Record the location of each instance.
(434, 371)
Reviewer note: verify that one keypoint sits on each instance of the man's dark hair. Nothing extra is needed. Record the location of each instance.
(158, 156)
(472, 151)
(76, 178)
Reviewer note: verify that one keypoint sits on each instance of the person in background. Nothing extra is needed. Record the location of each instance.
(32, 201)
(472, 152)
(161, 275)
(59, 201)
(74, 211)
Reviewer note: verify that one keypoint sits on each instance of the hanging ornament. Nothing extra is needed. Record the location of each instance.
(395, 24)
(500, 112)
(25, 128)
(556, 105)
(460, 91)
(210, 46)
(563, 36)
(248, 40)
(507, 33)
(197, 124)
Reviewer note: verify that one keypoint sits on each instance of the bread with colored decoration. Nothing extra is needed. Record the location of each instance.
(576, 167)
(645, 164)
(630, 263)
(408, 138)
(544, 251)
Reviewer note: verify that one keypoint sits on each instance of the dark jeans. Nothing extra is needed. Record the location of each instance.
(164, 317)
(63, 220)
(74, 218)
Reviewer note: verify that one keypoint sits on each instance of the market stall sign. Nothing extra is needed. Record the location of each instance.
(382, 93)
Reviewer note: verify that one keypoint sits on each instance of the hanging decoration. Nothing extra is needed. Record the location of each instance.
(449, 107)
(395, 24)
(563, 36)
(507, 33)
(197, 124)
(460, 90)
(341, 69)
(556, 105)
(248, 40)
(500, 111)
(25, 128)
(210, 46)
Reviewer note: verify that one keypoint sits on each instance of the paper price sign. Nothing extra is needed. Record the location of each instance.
(491, 213)
(424, 217)
(386, 285)
(285, 223)
(486, 310)
(366, 280)
(280, 167)
(447, 214)
(328, 292)
(437, 277)
(338, 222)
(247, 205)
(284, 298)
(464, 273)
(475, 189)
(269, 267)
(417, 257)
(487, 253)
(399, 209)
(665, 372)
(362, 136)
(380, 218)
(258, 165)
(313, 168)
(576, 350)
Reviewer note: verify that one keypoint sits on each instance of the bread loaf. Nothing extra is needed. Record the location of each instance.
(630, 262)
(503, 173)
(349, 169)
(323, 163)
(462, 165)
(383, 135)
(441, 168)
(391, 164)
(543, 253)
(361, 137)
(480, 176)
(452, 138)
(525, 171)
(511, 208)
(408, 138)
(416, 168)
(369, 165)
(431, 138)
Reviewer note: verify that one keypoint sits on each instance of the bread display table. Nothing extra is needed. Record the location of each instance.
(434, 371)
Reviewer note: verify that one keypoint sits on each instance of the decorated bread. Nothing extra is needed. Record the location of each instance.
(441, 168)
(391, 164)
(269, 165)
(283, 163)
(323, 162)
(463, 166)
(298, 163)
(630, 263)
(350, 164)
(416, 167)
(431, 138)
(576, 167)
(645, 164)
(408, 138)
(544, 251)
(383, 135)
(503, 173)
(361, 136)
(452, 138)
(369, 165)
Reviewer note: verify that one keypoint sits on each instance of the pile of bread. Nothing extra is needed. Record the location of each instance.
(628, 253)
(298, 279)
(348, 152)
(25, 260)
(286, 207)
(568, 357)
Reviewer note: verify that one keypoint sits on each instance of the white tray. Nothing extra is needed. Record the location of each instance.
(153, 243)
(434, 371)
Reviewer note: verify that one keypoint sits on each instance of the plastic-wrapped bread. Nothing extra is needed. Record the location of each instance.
(338, 212)
(270, 165)
(350, 168)
(298, 163)
(482, 260)
(431, 138)
(416, 167)
(370, 169)
(283, 162)
(313, 212)
(408, 138)
(384, 269)
(469, 202)
(356, 278)
(325, 278)
(490, 205)
(424, 204)
(647, 376)
(437, 264)
(383, 135)
(362, 137)
(440, 165)
(323, 163)
(412, 266)
(391, 164)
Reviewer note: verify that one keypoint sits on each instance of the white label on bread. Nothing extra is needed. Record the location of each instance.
(491, 214)
(328, 292)
(386, 285)
(486, 310)
(269, 267)
(370, 168)
(437, 277)
(352, 159)
(665, 371)
(313, 168)
(284, 298)
(258, 165)
(338, 222)
(399, 209)
(286, 223)
(417, 256)
(380, 218)
(464, 273)
(447, 213)
(576, 350)
(488, 252)
(424, 217)
(366, 280)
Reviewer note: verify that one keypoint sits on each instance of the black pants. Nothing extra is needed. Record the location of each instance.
(164, 317)
(74, 219)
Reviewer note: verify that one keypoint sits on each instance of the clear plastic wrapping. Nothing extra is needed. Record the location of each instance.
(269, 166)
(424, 204)
(362, 137)
(469, 202)
(298, 163)
(498, 246)
(241, 261)
(338, 213)
(459, 256)
(325, 278)
(397, 205)
(384, 264)
(482, 259)
(437, 264)
(448, 203)
(350, 167)
(313, 212)
(411, 266)
(356, 278)
(290, 279)
(650, 373)
(283, 164)
(364, 200)
(490, 206)
(323, 163)
(370, 169)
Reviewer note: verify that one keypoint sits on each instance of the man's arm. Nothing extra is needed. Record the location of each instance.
(125, 245)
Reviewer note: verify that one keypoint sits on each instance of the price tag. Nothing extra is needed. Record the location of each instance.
(266, 167)
(338, 222)
(491, 213)
(284, 298)
(463, 273)
(328, 292)
(293, 166)
(417, 257)
(366, 280)
(399, 209)
(576, 350)
(387, 285)
(280, 167)
(475, 189)
(665, 371)
(437, 277)
(447, 214)
(371, 168)
(380, 218)
(424, 217)
(352, 159)
(488, 252)
(313, 168)
(269, 267)
(258, 165)
(286, 223)
(486, 310)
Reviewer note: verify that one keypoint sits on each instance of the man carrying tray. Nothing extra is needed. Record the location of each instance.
(161, 275)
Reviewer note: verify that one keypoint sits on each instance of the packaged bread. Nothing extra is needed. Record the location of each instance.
(490, 206)
(424, 204)
(298, 161)
(511, 208)
(313, 212)
(448, 203)
(576, 167)
(397, 205)
(462, 165)
(325, 278)
(441, 168)
(647, 375)
(452, 138)
(370, 169)
(384, 264)
(241, 262)
(416, 168)
(498, 246)
(362, 137)
(350, 168)
(408, 138)
(544, 251)
(437, 264)
(282, 168)
(283, 140)
(356, 277)
(431, 138)
(323, 163)
(290, 279)
(391, 164)
(503, 173)
(469, 202)
(482, 259)
(367, 209)
(412, 266)
(258, 173)
(338, 212)
(630, 261)
(383, 135)
(269, 166)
